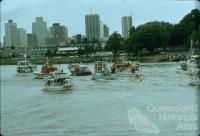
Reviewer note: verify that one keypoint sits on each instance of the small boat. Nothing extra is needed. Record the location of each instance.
(57, 82)
(46, 69)
(194, 70)
(183, 69)
(125, 67)
(77, 70)
(102, 72)
(194, 65)
(25, 67)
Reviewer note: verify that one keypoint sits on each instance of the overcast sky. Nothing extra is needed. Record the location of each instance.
(71, 12)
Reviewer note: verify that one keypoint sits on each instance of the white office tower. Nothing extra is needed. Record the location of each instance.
(22, 37)
(39, 28)
(92, 26)
(11, 34)
(126, 25)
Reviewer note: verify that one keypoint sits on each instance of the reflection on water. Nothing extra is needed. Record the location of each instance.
(58, 91)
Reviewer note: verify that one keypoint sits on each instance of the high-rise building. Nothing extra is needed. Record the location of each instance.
(32, 40)
(11, 34)
(101, 31)
(22, 37)
(39, 28)
(126, 25)
(66, 32)
(106, 31)
(92, 26)
(58, 31)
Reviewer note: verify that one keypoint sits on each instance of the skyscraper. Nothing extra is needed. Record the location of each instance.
(32, 40)
(22, 37)
(106, 31)
(92, 26)
(126, 25)
(11, 34)
(101, 31)
(58, 31)
(39, 28)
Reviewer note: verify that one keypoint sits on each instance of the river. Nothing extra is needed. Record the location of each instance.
(162, 104)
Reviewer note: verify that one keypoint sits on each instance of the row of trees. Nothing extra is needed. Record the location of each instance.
(148, 37)
(154, 35)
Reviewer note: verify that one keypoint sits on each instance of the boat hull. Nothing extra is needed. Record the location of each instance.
(40, 75)
(58, 88)
(81, 74)
(104, 77)
(194, 81)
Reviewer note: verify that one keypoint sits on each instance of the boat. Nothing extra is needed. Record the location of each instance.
(102, 72)
(57, 82)
(126, 69)
(194, 66)
(46, 69)
(25, 67)
(194, 72)
(77, 70)
(183, 69)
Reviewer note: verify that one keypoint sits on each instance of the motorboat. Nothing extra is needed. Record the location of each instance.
(46, 69)
(25, 67)
(183, 69)
(194, 65)
(57, 81)
(102, 72)
(194, 70)
(77, 70)
(126, 69)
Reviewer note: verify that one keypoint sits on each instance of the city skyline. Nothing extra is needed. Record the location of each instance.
(71, 15)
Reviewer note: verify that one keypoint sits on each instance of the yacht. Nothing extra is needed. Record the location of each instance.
(25, 67)
(46, 69)
(194, 72)
(77, 70)
(125, 68)
(102, 72)
(57, 82)
(194, 65)
(183, 68)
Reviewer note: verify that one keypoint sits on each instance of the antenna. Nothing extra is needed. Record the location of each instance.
(91, 11)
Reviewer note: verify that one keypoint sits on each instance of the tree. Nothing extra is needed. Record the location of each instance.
(149, 36)
(114, 43)
(187, 25)
(48, 53)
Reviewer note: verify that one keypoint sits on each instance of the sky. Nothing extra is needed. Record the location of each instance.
(71, 12)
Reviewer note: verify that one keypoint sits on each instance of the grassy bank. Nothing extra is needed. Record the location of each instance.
(170, 56)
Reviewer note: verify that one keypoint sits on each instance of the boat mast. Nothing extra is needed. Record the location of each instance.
(25, 55)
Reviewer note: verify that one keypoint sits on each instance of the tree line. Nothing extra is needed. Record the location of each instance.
(154, 35)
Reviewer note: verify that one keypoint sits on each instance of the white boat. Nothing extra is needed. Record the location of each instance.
(25, 67)
(105, 75)
(194, 67)
(57, 82)
(183, 69)
(102, 72)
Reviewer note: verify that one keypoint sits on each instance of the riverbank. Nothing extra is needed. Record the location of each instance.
(172, 56)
